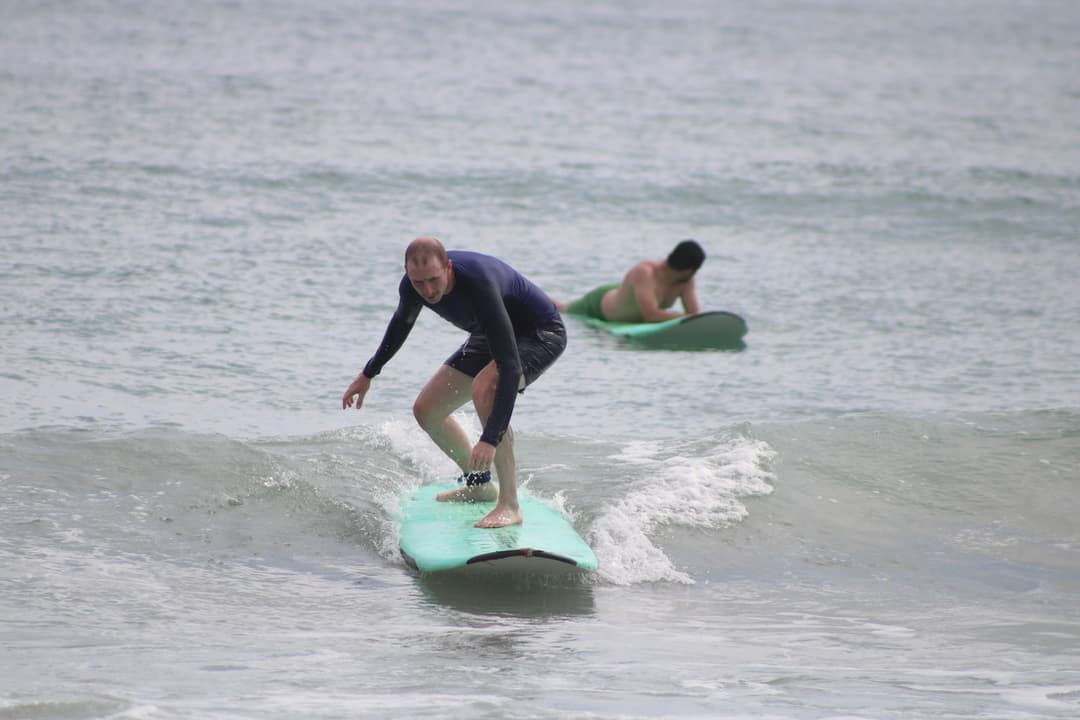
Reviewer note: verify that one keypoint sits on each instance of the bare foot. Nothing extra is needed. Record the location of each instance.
(501, 517)
(470, 493)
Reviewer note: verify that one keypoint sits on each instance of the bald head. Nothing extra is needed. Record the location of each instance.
(424, 250)
(429, 269)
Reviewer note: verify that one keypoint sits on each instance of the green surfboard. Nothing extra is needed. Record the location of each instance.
(439, 537)
(712, 330)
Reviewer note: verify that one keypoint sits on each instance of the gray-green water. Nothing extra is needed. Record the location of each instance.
(867, 513)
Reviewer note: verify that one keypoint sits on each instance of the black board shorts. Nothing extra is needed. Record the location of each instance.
(537, 350)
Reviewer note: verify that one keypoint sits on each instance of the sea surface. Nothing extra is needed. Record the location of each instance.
(871, 512)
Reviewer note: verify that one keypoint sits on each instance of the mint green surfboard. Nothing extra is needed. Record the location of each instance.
(712, 330)
(439, 537)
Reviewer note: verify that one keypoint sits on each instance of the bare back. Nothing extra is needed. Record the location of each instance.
(646, 293)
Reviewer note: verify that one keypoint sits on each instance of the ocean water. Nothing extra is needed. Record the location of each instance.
(869, 512)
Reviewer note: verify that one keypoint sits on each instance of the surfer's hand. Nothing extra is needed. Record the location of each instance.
(482, 456)
(357, 388)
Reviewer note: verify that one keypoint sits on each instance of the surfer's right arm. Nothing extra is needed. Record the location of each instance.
(357, 388)
(401, 324)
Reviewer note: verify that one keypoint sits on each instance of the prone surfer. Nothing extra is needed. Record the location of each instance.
(515, 334)
(647, 290)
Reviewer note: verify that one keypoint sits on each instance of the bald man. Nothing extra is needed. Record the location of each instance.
(515, 334)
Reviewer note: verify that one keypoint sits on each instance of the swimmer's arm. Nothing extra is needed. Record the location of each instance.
(690, 299)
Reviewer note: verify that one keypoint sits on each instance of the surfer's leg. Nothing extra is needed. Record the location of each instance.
(537, 352)
(448, 390)
(445, 392)
(507, 511)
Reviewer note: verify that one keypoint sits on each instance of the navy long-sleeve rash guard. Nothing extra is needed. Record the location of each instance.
(489, 298)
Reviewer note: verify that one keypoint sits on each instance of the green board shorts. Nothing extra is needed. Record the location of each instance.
(589, 304)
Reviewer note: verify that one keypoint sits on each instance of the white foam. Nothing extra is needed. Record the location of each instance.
(626, 553)
(408, 440)
(424, 461)
(641, 452)
(700, 491)
(1056, 697)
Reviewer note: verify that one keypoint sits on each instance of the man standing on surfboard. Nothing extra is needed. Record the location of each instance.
(515, 334)
(647, 291)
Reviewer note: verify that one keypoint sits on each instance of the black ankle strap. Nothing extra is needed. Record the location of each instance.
(477, 477)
